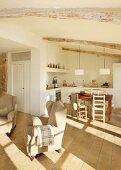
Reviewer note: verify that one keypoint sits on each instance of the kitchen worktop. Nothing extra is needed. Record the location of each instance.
(66, 91)
(81, 87)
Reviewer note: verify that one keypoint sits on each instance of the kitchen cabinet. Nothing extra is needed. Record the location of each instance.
(117, 85)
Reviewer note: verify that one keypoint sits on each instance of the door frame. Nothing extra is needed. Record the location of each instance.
(25, 92)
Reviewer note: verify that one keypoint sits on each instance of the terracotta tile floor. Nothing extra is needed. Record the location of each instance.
(86, 145)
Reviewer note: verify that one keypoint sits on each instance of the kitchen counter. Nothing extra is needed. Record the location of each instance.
(78, 87)
(53, 89)
(66, 91)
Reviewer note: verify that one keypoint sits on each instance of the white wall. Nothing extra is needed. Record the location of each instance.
(54, 56)
(43, 54)
(38, 79)
(35, 81)
(90, 63)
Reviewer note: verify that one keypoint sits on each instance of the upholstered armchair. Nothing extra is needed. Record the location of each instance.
(8, 109)
(56, 118)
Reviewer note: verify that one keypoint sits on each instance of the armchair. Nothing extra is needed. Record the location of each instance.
(57, 119)
(8, 108)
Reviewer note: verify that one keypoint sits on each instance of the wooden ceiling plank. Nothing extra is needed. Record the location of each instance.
(85, 42)
(97, 14)
(92, 52)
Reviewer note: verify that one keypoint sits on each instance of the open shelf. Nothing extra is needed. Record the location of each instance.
(56, 70)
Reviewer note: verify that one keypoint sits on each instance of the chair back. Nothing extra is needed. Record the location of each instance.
(98, 92)
(74, 98)
(99, 101)
(57, 115)
(49, 105)
(76, 101)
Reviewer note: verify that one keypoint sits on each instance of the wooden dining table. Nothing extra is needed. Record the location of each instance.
(108, 98)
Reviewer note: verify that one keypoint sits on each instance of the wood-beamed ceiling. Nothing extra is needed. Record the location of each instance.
(97, 14)
(84, 42)
(92, 52)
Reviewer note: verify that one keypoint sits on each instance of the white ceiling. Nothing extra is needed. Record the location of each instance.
(63, 28)
(9, 46)
(70, 28)
(60, 3)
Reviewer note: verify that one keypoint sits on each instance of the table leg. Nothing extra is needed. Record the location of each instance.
(109, 109)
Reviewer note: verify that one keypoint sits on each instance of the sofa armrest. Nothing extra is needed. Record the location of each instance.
(29, 137)
(11, 116)
(57, 130)
(35, 131)
(36, 121)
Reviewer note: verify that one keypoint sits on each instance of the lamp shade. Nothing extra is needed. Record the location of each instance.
(79, 72)
(104, 71)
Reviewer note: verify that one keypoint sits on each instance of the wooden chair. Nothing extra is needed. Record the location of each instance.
(98, 107)
(80, 107)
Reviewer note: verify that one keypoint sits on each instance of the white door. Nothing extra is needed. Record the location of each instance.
(18, 85)
(21, 85)
(117, 85)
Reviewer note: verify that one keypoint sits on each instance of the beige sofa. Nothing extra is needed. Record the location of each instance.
(57, 118)
(8, 108)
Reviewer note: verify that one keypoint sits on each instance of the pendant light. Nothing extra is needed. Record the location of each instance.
(79, 71)
(104, 71)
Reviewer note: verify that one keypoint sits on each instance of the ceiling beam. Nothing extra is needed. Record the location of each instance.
(97, 14)
(92, 52)
(85, 42)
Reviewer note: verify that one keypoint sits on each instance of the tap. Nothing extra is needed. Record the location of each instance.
(55, 77)
(54, 81)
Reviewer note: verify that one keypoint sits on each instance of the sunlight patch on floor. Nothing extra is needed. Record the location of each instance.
(75, 124)
(106, 126)
(16, 156)
(98, 124)
(87, 167)
(54, 156)
(117, 141)
(104, 135)
(72, 162)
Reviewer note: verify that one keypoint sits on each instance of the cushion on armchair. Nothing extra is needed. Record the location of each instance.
(8, 109)
(6, 105)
